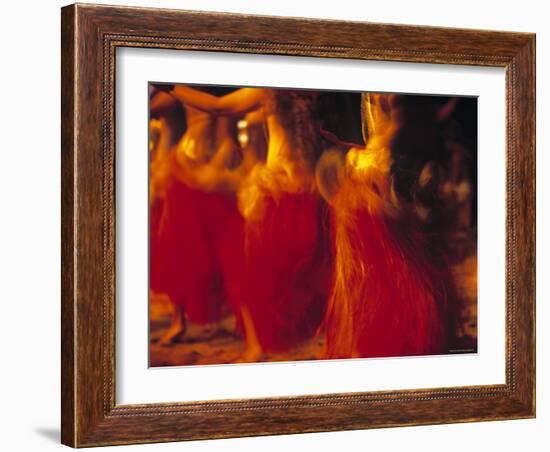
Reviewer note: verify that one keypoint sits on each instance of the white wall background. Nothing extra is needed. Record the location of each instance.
(30, 224)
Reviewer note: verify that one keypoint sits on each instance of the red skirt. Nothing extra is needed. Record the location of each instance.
(286, 270)
(228, 240)
(390, 297)
(184, 255)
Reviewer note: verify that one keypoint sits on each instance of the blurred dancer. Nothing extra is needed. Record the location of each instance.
(280, 294)
(185, 262)
(390, 292)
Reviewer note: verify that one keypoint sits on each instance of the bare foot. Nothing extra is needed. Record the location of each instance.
(252, 349)
(177, 328)
(251, 354)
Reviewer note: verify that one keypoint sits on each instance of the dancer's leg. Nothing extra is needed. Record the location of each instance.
(177, 328)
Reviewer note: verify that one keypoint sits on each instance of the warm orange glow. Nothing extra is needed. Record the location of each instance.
(384, 300)
(310, 248)
(159, 159)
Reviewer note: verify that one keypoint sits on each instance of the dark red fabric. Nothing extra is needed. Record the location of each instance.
(286, 270)
(185, 259)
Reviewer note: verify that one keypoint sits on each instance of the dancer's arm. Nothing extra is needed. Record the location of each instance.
(160, 103)
(236, 103)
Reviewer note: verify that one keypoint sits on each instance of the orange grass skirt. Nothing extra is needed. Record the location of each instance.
(389, 296)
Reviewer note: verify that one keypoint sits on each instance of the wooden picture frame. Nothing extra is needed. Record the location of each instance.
(90, 36)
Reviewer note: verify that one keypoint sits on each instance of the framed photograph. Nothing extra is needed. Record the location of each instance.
(282, 225)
